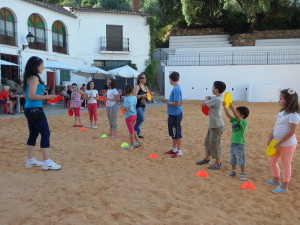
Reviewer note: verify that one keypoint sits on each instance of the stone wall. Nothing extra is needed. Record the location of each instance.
(249, 39)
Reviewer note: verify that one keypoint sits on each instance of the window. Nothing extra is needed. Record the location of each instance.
(37, 27)
(64, 76)
(59, 39)
(7, 27)
(111, 64)
(114, 36)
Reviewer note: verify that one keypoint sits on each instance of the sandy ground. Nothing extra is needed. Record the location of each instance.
(101, 183)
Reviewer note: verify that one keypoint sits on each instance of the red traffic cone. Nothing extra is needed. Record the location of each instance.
(82, 128)
(248, 185)
(202, 173)
(152, 156)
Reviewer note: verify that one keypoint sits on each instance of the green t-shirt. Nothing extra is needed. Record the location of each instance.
(238, 131)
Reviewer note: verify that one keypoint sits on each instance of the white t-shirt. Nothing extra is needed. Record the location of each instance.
(111, 94)
(92, 93)
(282, 127)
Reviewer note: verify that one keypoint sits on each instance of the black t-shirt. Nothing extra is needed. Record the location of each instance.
(141, 102)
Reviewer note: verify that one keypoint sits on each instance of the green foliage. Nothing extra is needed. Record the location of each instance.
(115, 4)
(235, 22)
(88, 3)
(278, 22)
(203, 11)
(150, 70)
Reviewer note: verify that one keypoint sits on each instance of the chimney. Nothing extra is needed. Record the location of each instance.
(135, 5)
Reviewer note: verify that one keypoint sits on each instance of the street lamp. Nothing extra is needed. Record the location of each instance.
(30, 39)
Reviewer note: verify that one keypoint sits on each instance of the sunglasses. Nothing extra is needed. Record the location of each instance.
(143, 78)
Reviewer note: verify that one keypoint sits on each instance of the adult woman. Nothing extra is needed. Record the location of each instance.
(140, 91)
(37, 121)
(112, 96)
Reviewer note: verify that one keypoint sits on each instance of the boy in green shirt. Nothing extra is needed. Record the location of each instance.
(238, 147)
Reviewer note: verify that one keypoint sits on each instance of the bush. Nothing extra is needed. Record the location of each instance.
(150, 71)
(278, 22)
(235, 22)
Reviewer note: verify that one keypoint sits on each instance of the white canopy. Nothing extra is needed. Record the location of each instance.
(124, 71)
(92, 71)
(54, 65)
(5, 63)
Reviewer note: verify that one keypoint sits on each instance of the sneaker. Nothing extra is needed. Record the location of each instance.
(51, 166)
(271, 182)
(203, 161)
(176, 155)
(89, 126)
(231, 174)
(279, 190)
(129, 147)
(243, 176)
(33, 162)
(94, 127)
(140, 136)
(137, 144)
(215, 166)
(75, 125)
(171, 152)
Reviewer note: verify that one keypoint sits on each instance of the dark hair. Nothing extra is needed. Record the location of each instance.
(220, 85)
(88, 87)
(128, 89)
(139, 77)
(111, 84)
(174, 76)
(291, 101)
(31, 70)
(243, 111)
(74, 84)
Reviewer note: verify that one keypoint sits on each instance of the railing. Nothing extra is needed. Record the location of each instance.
(59, 47)
(8, 37)
(39, 44)
(114, 44)
(232, 58)
(161, 54)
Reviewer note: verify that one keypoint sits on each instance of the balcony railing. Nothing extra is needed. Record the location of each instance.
(114, 44)
(39, 44)
(8, 37)
(59, 47)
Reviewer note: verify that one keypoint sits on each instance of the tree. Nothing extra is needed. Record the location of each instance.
(203, 11)
(88, 3)
(115, 4)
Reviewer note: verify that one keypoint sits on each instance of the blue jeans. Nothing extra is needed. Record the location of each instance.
(140, 117)
(37, 127)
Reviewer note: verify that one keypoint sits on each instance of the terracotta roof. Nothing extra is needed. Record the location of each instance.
(57, 8)
(113, 11)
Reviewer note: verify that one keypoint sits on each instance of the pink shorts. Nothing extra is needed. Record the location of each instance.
(76, 111)
(130, 121)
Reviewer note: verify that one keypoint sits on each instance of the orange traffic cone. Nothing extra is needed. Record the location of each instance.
(202, 173)
(152, 156)
(248, 185)
(82, 128)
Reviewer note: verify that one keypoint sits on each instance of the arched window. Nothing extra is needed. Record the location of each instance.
(7, 27)
(37, 27)
(59, 37)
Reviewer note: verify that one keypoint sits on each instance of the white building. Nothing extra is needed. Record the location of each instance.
(74, 36)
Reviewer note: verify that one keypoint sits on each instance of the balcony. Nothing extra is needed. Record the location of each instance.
(59, 47)
(8, 37)
(39, 44)
(114, 44)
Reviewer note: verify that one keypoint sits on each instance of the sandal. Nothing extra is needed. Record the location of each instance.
(203, 161)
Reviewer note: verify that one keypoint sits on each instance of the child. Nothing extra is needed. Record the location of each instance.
(91, 97)
(215, 127)
(130, 116)
(76, 104)
(284, 133)
(112, 96)
(237, 147)
(174, 109)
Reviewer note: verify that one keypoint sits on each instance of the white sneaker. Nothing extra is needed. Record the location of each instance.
(94, 127)
(137, 144)
(89, 126)
(51, 166)
(33, 162)
(129, 147)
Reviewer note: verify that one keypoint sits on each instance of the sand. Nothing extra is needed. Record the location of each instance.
(101, 183)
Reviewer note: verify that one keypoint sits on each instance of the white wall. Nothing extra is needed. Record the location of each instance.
(82, 37)
(196, 81)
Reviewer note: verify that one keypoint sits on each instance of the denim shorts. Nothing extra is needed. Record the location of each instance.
(238, 154)
(174, 126)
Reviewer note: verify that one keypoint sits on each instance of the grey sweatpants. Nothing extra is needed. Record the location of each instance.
(212, 142)
(112, 116)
